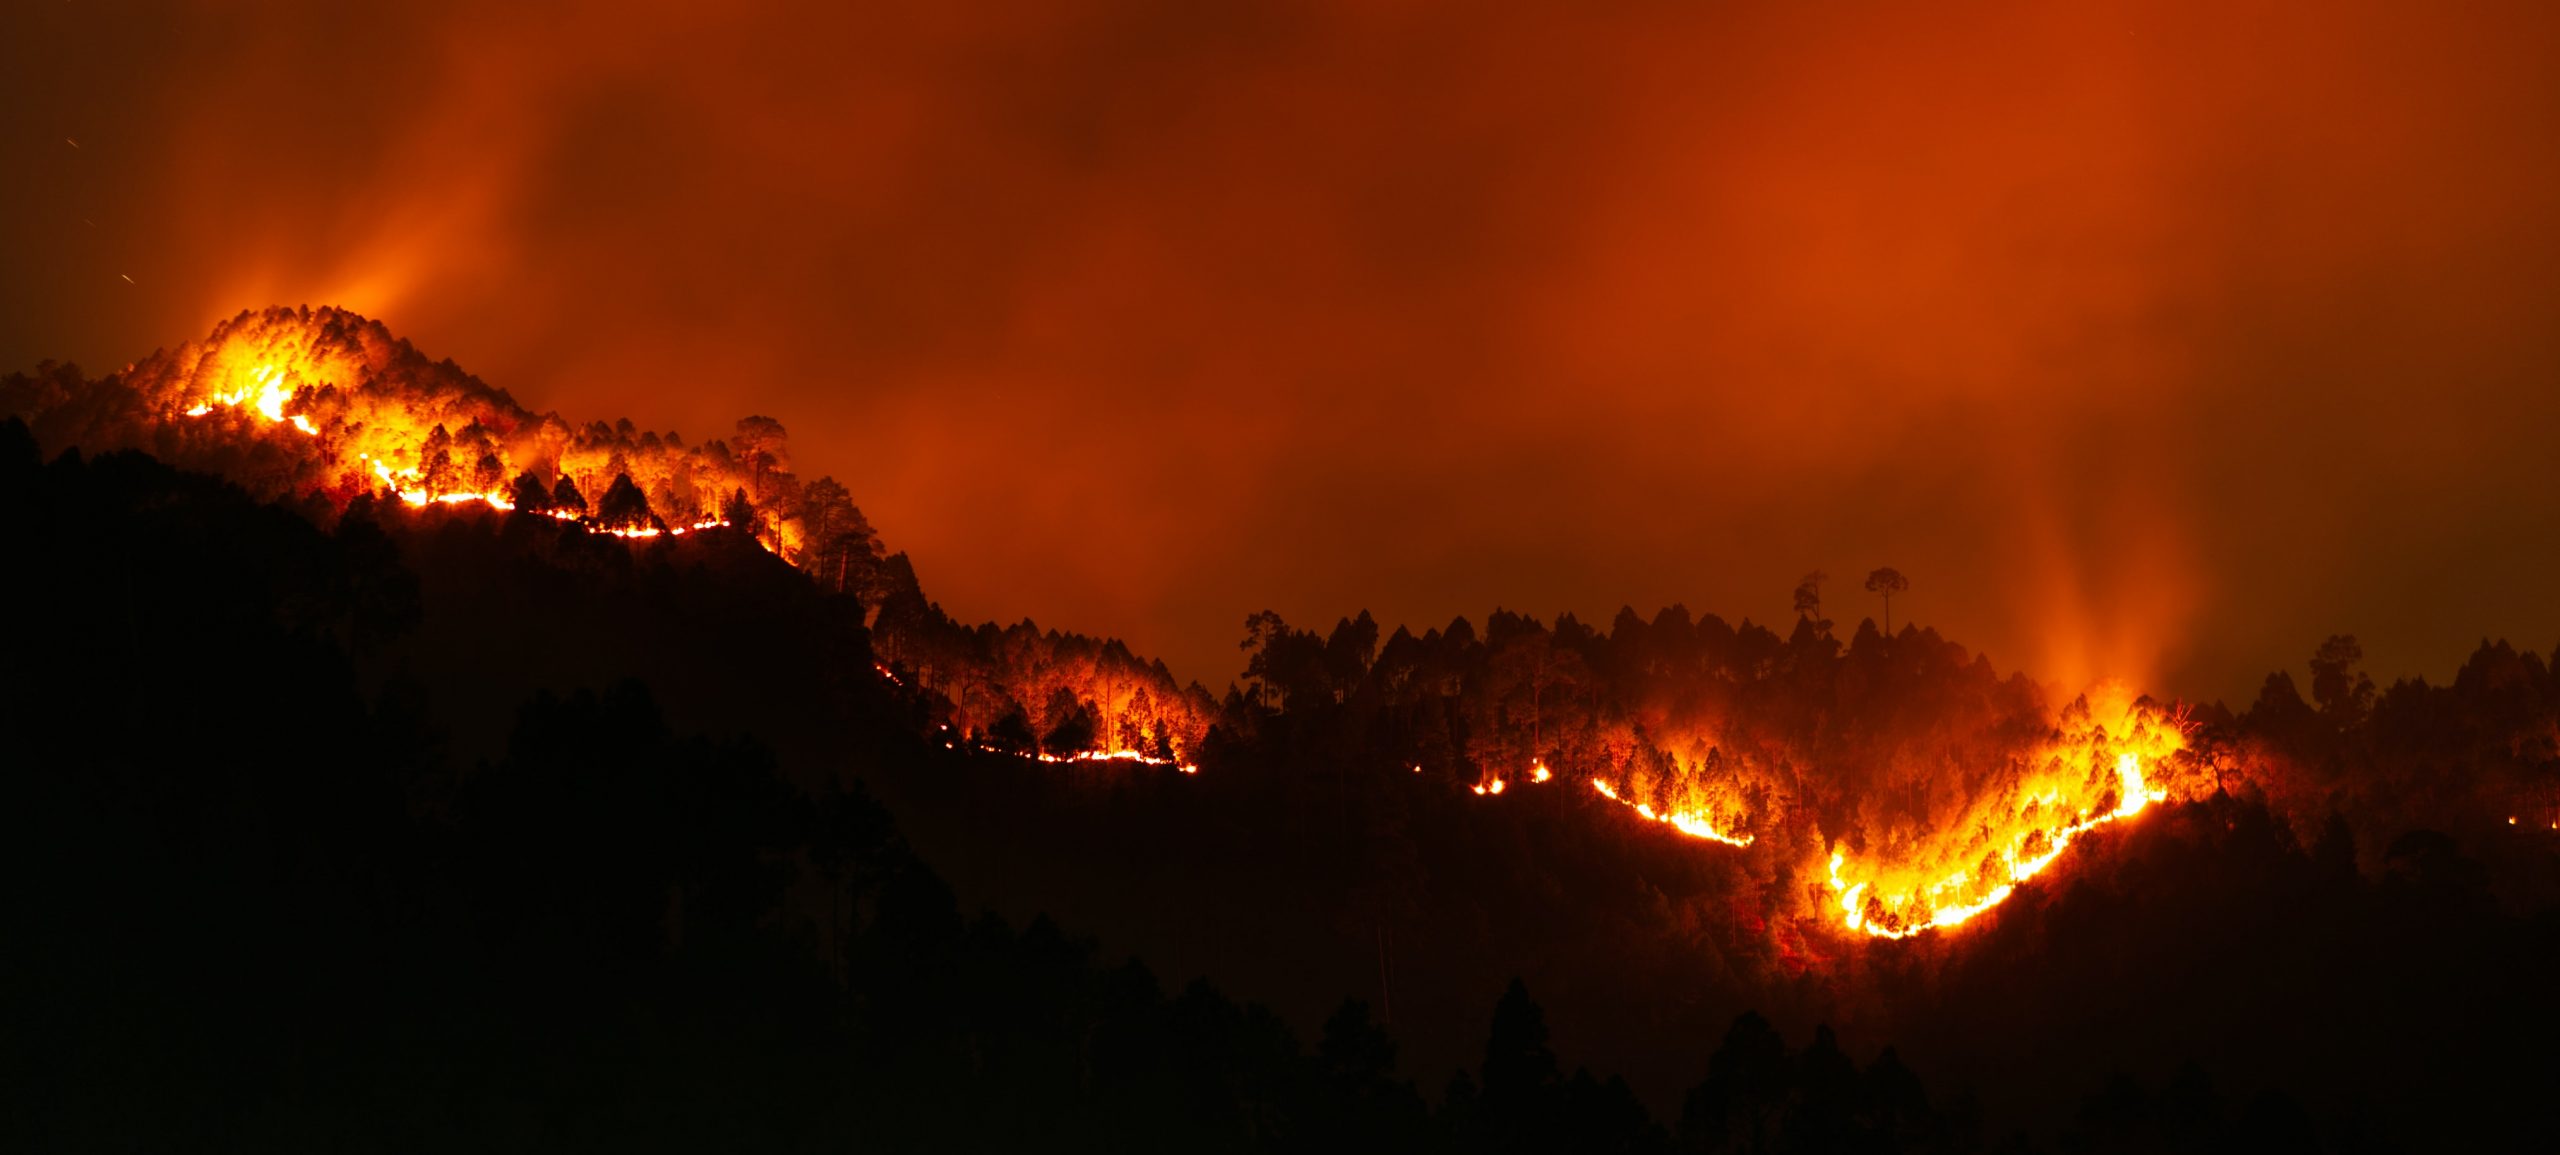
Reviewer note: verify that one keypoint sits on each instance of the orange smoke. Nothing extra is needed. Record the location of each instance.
(2057, 309)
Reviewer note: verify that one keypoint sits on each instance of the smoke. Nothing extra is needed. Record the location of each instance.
(2154, 341)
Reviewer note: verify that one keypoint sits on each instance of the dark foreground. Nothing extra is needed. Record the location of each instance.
(296, 862)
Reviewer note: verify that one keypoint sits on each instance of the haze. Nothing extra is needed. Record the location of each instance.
(2158, 341)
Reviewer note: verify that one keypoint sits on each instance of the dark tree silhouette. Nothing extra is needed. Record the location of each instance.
(635, 930)
(1012, 733)
(2345, 694)
(530, 495)
(625, 507)
(739, 512)
(566, 498)
(1743, 1100)
(435, 464)
(1287, 664)
(1808, 600)
(1885, 583)
(1073, 732)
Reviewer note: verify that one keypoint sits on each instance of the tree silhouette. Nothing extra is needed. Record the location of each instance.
(763, 447)
(635, 930)
(1530, 664)
(1739, 1106)
(566, 498)
(2344, 694)
(1287, 662)
(1521, 1083)
(1071, 724)
(1885, 583)
(625, 507)
(1012, 733)
(739, 512)
(838, 541)
(1809, 595)
(435, 464)
(530, 495)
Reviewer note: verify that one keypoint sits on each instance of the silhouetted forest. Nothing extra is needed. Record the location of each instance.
(1805, 735)
(318, 407)
(257, 907)
(342, 826)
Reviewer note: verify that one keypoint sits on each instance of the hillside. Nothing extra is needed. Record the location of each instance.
(355, 659)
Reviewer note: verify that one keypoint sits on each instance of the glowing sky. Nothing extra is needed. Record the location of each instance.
(2161, 340)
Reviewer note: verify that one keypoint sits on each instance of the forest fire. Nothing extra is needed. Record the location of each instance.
(267, 393)
(367, 416)
(323, 405)
(378, 418)
(1695, 825)
(1132, 757)
(1082, 757)
(2087, 776)
(1928, 875)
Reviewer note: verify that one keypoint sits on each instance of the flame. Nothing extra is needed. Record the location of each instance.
(1088, 757)
(282, 371)
(328, 404)
(1689, 822)
(267, 393)
(2091, 771)
(1132, 756)
(271, 392)
(2072, 795)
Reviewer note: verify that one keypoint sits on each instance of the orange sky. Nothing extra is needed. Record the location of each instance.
(2153, 339)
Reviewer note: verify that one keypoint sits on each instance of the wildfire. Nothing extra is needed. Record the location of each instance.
(1691, 823)
(267, 392)
(2078, 783)
(430, 436)
(302, 403)
(2089, 773)
(1130, 756)
(1123, 757)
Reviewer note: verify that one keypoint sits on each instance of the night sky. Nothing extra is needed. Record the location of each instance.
(2157, 340)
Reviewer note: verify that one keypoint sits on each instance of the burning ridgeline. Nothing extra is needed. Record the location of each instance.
(297, 403)
(305, 405)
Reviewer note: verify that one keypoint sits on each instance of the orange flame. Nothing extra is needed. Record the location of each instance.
(1692, 823)
(267, 392)
(2077, 783)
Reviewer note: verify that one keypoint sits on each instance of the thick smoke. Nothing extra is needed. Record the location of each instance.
(2156, 342)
